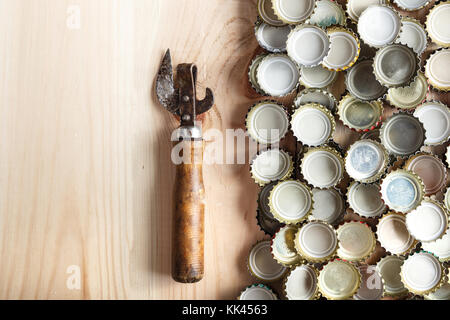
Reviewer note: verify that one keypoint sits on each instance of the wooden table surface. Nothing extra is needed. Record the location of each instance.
(85, 172)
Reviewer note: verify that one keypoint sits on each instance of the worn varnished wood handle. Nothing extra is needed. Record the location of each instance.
(189, 215)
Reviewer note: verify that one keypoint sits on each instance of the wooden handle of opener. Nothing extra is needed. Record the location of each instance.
(189, 215)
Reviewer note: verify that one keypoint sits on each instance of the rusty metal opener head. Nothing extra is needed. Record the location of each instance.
(180, 97)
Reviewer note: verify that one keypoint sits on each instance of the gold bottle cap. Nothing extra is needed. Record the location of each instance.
(313, 124)
(435, 117)
(438, 24)
(430, 169)
(258, 292)
(316, 77)
(393, 234)
(252, 71)
(402, 190)
(379, 25)
(301, 283)
(447, 199)
(344, 49)
(293, 11)
(411, 96)
(361, 82)
(271, 165)
(316, 241)
(356, 7)
(428, 222)
(261, 263)
(329, 205)
(443, 293)
(316, 96)
(422, 273)
(440, 247)
(411, 5)
(283, 247)
(322, 167)
(339, 280)
(413, 35)
(365, 199)
(267, 122)
(372, 285)
(436, 69)
(360, 115)
(389, 268)
(291, 201)
(327, 13)
(266, 13)
(356, 241)
(272, 38)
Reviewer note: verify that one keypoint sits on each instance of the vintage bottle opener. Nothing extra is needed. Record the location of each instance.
(179, 97)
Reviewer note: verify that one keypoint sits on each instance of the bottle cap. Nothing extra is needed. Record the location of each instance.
(447, 199)
(365, 199)
(372, 135)
(316, 241)
(402, 190)
(301, 283)
(277, 75)
(283, 247)
(438, 24)
(329, 205)
(440, 247)
(379, 25)
(436, 70)
(402, 134)
(339, 280)
(266, 13)
(258, 292)
(313, 124)
(361, 82)
(428, 222)
(316, 77)
(293, 11)
(344, 49)
(411, 5)
(317, 96)
(323, 167)
(252, 71)
(291, 201)
(366, 161)
(411, 96)
(327, 13)
(308, 45)
(272, 38)
(422, 273)
(443, 293)
(261, 263)
(271, 165)
(430, 169)
(356, 241)
(435, 117)
(393, 234)
(267, 122)
(413, 35)
(389, 268)
(356, 7)
(360, 115)
(372, 286)
(395, 65)
(263, 200)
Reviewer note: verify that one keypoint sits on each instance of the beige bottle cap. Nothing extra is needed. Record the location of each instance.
(323, 167)
(402, 134)
(308, 45)
(356, 7)
(372, 286)
(411, 96)
(422, 273)
(402, 190)
(271, 165)
(379, 25)
(436, 70)
(301, 283)
(277, 75)
(339, 280)
(443, 293)
(313, 124)
(413, 35)
(366, 161)
(318, 96)
(356, 241)
(283, 247)
(344, 49)
(327, 13)
(411, 5)
(261, 263)
(267, 122)
(440, 247)
(316, 77)
(266, 13)
(258, 292)
(252, 71)
(361, 82)
(329, 205)
(293, 11)
(435, 117)
(428, 222)
(393, 234)
(291, 201)
(365, 199)
(438, 24)
(316, 241)
(389, 268)
(360, 115)
(272, 38)
(430, 169)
